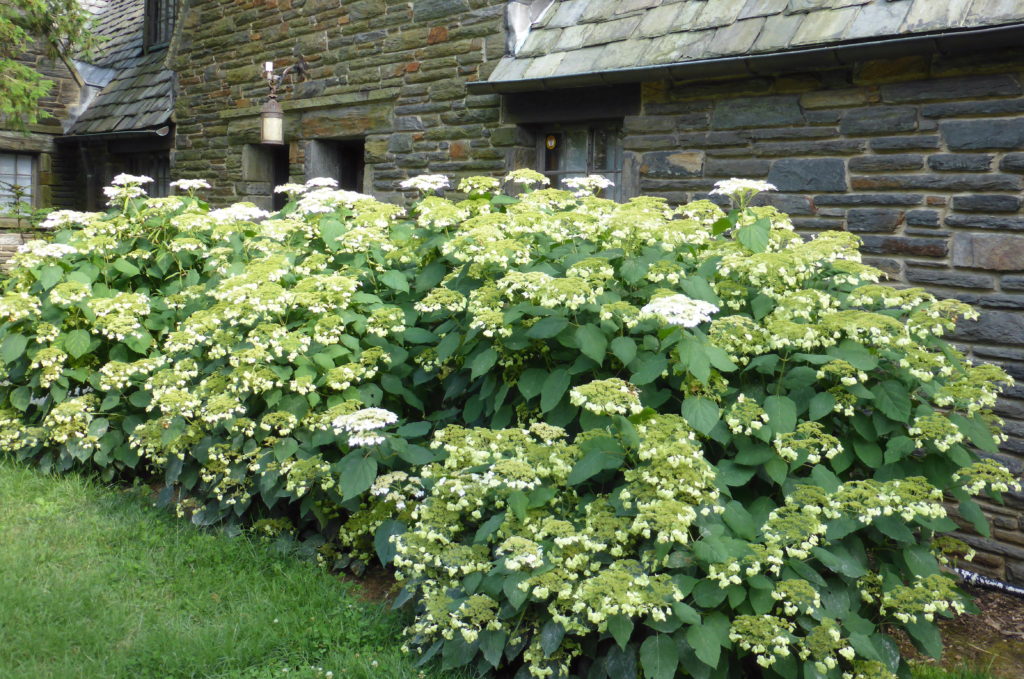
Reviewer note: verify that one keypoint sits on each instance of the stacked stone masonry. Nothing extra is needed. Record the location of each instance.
(923, 157)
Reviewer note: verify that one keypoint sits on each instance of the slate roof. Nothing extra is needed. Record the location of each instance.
(141, 93)
(578, 37)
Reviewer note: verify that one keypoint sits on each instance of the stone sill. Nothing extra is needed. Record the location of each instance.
(333, 100)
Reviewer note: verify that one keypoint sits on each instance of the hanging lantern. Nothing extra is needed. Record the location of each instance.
(272, 122)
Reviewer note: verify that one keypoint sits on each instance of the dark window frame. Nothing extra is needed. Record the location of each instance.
(614, 164)
(7, 193)
(158, 24)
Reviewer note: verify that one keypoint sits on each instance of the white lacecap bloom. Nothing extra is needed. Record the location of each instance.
(680, 310)
(291, 188)
(190, 184)
(124, 179)
(322, 182)
(239, 212)
(427, 183)
(585, 186)
(59, 218)
(41, 248)
(734, 186)
(360, 425)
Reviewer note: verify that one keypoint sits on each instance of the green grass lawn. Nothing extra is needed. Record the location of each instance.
(95, 583)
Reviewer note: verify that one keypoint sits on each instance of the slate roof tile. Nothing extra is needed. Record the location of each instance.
(141, 94)
(690, 30)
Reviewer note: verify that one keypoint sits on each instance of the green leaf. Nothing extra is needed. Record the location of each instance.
(970, 510)
(492, 644)
(838, 560)
(592, 464)
(547, 327)
(895, 528)
(382, 543)
(551, 635)
(977, 431)
(516, 597)
(126, 267)
(624, 349)
(13, 348)
(868, 452)
(49, 276)
(633, 269)
(898, 448)
(685, 613)
(518, 502)
(395, 280)
(647, 369)
(926, 637)
(77, 342)
(356, 474)
(701, 413)
(755, 237)
(555, 386)
(659, 657)
(920, 561)
(761, 306)
(740, 521)
(331, 230)
(781, 414)
(856, 354)
(593, 343)
(621, 628)
(488, 528)
(821, 405)
(892, 400)
(21, 398)
(531, 382)
(483, 362)
(704, 641)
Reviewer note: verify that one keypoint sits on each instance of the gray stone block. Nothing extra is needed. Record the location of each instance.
(736, 167)
(886, 163)
(973, 109)
(672, 164)
(900, 245)
(971, 135)
(746, 112)
(967, 87)
(427, 10)
(985, 222)
(960, 162)
(991, 251)
(873, 219)
(801, 175)
(1001, 327)
(1012, 162)
(987, 203)
(928, 218)
(923, 142)
(856, 199)
(948, 278)
(879, 120)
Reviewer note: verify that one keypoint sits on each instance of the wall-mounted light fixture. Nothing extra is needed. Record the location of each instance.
(272, 115)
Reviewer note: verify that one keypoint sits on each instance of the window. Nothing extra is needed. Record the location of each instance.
(17, 179)
(158, 24)
(341, 160)
(264, 167)
(575, 150)
(155, 165)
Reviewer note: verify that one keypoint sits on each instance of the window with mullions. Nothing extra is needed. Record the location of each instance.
(577, 150)
(17, 179)
(158, 24)
(155, 164)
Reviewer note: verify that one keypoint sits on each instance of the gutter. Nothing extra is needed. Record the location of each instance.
(159, 132)
(946, 43)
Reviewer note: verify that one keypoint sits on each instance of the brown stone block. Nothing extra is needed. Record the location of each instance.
(437, 34)
(891, 70)
(992, 251)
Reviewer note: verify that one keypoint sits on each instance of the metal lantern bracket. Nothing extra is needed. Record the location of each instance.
(271, 115)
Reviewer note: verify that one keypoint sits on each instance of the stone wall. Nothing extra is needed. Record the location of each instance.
(392, 74)
(922, 157)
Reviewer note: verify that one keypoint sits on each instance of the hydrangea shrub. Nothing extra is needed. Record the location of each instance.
(594, 439)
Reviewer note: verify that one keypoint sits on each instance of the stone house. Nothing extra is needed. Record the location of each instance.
(106, 115)
(900, 120)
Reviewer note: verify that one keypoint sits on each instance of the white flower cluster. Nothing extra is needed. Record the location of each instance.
(239, 212)
(362, 425)
(62, 218)
(679, 310)
(190, 185)
(607, 397)
(425, 183)
(36, 252)
(589, 185)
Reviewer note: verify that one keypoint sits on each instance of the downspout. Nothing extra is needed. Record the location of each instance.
(90, 178)
(986, 582)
